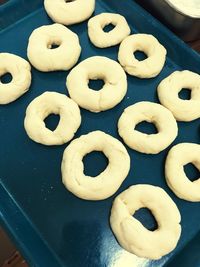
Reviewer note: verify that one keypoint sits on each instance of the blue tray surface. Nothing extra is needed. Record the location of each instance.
(50, 225)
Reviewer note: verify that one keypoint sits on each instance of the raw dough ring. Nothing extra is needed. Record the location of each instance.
(97, 67)
(106, 183)
(52, 103)
(132, 235)
(69, 13)
(169, 88)
(103, 39)
(153, 113)
(178, 156)
(64, 57)
(20, 70)
(152, 65)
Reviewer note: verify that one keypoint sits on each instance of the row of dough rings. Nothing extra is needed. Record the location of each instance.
(152, 65)
(20, 70)
(169, 88)
(69, 12)
(44, 105)
(130, 232)
(105, 184)
(64, 57)
(97, 67)
(103, 39)
(151, 112)
(179, 156)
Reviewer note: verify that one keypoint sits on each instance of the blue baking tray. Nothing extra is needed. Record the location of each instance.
(49, 225)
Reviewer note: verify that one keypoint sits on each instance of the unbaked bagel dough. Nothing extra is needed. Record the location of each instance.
(52, 103)
(69, 12)
(106, 183)
(44, 57)
(20, 70)
(130, 232)
(169, 88)
(103, 39)
(155, 52)
(179, 156)
(150, 112)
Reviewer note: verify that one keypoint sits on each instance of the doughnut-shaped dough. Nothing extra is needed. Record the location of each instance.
(152, 65)
(169, 88)
(103, 39)
(178, 156)
(64, 57)
(20, 70)
(150, 112)
(52, 103)
(106, 183)
(132, 235)
(97, 67)
(69, 12)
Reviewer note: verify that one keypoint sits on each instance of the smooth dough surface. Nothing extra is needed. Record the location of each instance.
(41, 54)
(155, 52)
(20, 70)
(179, 156)
(52, 103)
(130, 232)
(94, 68)
(69, 12)
(106, 183)
(103, 39)
(150, 112)
(168, 93)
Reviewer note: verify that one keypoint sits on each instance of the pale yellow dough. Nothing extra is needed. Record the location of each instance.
(132, 235)
(169, 88)
(179, 156)
(52, 103)
(97, 67)
(69, 12)
(150, 112)
(20, 70)
(64, 57)
(152, 65)
(106, 183)
(103, 39)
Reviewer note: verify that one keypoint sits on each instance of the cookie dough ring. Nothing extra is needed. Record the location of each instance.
(64, 57)
(106, 183)
(147, 68)
(103, 39)
(20, 70)
(97, 67)
(52, 103)
(154, 113)
(132, 235)
(179, 156)
(169, 88)
(69, 12)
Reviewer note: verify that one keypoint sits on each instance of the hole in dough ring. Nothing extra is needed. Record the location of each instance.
(106, 183)
(169, 88)
(152, 65)
(103, 39)
(178, 156)
(69, 13)
(20, 70)
(52, 103)
(64, 57)
(153, 113)
(132, 235)
(94, 68)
